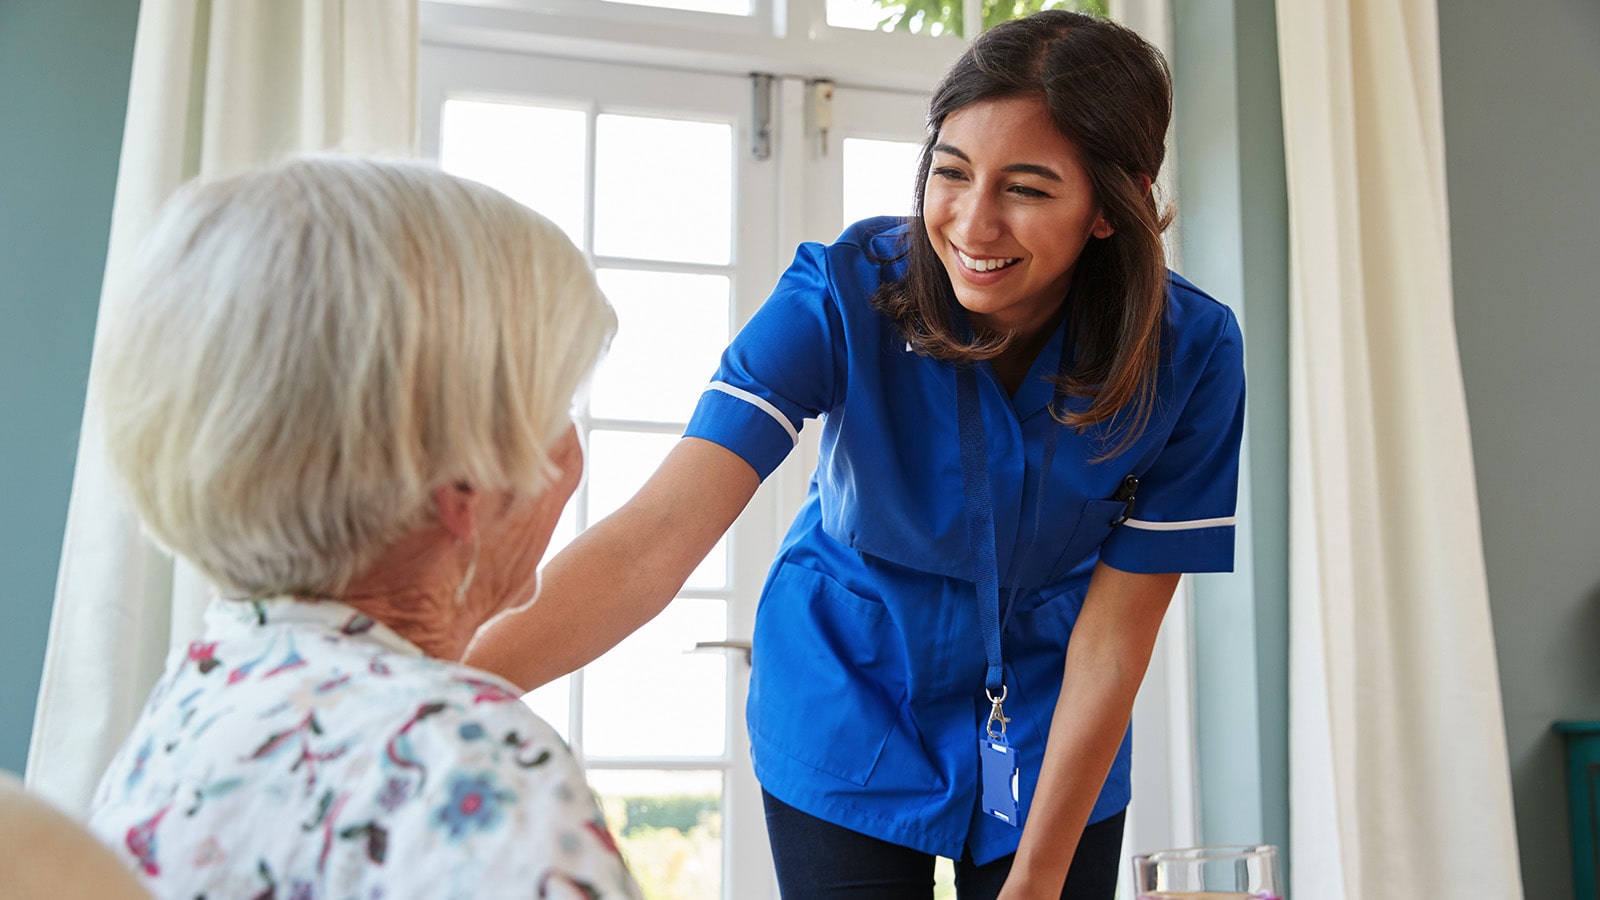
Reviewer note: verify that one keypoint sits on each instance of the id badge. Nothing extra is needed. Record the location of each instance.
(998, 762)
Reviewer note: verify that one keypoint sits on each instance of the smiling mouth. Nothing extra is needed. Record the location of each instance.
(985, 265)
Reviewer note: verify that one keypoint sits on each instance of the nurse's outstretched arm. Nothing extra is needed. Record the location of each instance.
(621, 572)
(1106, 660)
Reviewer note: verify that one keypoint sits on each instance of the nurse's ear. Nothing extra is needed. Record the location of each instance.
(1102, 228)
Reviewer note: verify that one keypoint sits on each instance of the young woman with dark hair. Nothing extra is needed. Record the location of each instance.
(1030, 428)
(1108, 92)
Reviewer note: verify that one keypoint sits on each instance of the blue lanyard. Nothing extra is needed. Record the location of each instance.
(978, 495)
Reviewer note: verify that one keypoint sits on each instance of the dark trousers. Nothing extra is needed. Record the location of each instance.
(818, 860)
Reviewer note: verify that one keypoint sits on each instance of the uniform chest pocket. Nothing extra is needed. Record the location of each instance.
(1095, 523)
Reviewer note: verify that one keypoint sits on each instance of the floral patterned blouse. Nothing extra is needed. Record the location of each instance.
(302, 750)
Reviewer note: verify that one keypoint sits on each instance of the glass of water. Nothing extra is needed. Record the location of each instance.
(1209, 873)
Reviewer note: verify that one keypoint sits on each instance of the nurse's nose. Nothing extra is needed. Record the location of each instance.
(978, 220)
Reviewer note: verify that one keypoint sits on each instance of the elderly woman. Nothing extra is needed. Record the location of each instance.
(341, 388)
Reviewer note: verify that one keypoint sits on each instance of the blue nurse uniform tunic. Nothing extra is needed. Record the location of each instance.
(866, 693)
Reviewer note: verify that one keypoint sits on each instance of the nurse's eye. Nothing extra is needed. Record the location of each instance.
(949, 174)
(1022, 190)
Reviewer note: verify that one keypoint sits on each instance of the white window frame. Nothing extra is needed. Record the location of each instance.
(781, 38)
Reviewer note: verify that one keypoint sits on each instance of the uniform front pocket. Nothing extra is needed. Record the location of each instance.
(1094, 526)
(828, 674)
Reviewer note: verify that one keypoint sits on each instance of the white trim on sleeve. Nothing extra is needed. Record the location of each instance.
(1180, 526)
(758, 403)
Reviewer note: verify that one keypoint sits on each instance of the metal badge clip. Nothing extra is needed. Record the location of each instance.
(996, 714)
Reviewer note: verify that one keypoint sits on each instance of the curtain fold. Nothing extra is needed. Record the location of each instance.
(215, 87)
(1400, 780)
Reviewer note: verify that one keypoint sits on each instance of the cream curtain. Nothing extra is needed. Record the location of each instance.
(216, 86)
(1400, 782)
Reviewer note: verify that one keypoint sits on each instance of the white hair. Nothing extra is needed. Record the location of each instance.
(304, 352)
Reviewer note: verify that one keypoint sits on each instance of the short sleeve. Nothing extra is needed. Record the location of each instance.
(785, 366)
(1183, 513)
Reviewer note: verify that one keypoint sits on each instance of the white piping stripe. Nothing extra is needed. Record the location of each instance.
(1180, 526)
(758, 403)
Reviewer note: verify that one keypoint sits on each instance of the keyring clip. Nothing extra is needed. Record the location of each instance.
(996, 713)
(1124, 495)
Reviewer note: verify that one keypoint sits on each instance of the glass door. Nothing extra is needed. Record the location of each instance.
(865, 163)
(850, 153)
(649, 172)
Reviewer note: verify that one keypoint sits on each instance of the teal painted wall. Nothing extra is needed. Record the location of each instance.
(64, 67)
(1522, 128)
(1233, 212)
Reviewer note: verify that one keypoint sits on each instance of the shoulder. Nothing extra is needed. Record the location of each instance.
(1200, 326)
(842, 276)
(434, 713)
(48, 854)
(510, 795)
(465, 694)
(879, 235)
(1189, 307)
(865, 254)
(489, 756)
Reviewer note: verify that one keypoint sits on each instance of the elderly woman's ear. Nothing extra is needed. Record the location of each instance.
(456, 508)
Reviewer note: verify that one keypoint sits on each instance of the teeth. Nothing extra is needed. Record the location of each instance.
(984, 265)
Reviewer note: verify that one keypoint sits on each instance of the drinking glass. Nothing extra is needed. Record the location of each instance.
(1209, 873)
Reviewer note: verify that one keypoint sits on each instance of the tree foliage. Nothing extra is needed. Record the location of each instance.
(681, 812)
(946, 16)
(673, 844)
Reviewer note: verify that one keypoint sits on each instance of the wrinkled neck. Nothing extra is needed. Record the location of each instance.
(411, 587)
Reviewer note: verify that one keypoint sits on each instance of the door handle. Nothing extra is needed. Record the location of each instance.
(702, 646)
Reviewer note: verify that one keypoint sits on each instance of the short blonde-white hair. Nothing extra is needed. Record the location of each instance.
(304, 352)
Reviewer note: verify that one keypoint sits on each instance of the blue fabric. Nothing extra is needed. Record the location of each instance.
(980, 529)
(867, 686)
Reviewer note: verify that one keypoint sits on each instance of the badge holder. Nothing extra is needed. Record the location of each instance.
(998, 762)
(1000, 794)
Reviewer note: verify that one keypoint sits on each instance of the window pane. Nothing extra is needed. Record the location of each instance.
(671, 331)
(939, 17)
(997, 11)
(878, 178)
(534, 154)
(566, 529)
(553, 703)
(732, 7)
(663, 189)
(619, 464)
(651, 696)
(931, 17)
(669, 826)
(944, 879)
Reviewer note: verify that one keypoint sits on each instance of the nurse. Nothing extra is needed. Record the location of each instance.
(1030, 428)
